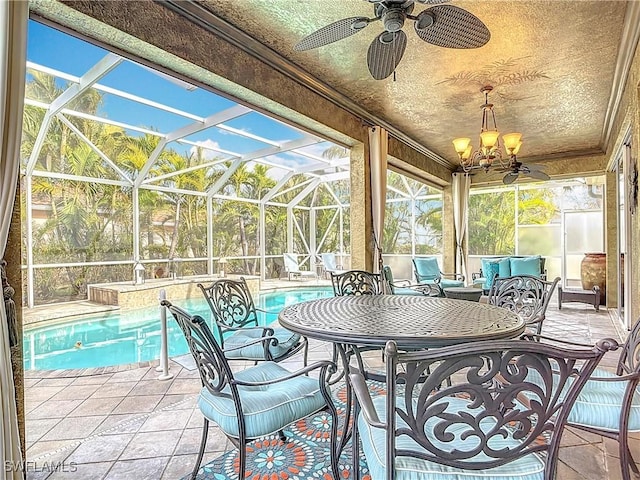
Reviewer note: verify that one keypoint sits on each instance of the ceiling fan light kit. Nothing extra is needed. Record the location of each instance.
(442, 25)
(489, 149)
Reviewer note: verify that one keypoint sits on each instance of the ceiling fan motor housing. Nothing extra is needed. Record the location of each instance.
(393, 20)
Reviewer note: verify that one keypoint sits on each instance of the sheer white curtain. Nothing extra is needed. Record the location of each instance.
(378, 144)
(13, 41)
(460, 193)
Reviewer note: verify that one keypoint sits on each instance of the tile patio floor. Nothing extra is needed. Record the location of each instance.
(127, 424)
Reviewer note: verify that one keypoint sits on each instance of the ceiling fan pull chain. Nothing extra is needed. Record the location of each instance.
(394, 75)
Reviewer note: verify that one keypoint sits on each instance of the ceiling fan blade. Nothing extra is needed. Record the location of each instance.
(538, 174)
(451, 27)
(332, 33)
(385, 53)
(509, 178)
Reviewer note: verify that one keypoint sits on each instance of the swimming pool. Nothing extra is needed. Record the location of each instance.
(114, 338)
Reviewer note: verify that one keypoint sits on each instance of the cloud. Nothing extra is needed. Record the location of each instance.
(207, 144)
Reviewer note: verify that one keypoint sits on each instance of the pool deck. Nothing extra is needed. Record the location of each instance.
(127, 424)
(64, 311)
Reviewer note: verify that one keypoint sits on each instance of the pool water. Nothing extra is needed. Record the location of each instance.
(134, 336)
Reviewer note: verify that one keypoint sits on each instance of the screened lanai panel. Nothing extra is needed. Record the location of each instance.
(297, 161)
(292, 188)
(539, 206)
(397, 227)
(325, 152)
(78, 147)
(48, 46)
(116, 108)
(80, 221)
(176, 171)
(235, 229)
(260, 125)
(163, 89)
(172, 225)
(301, 231)
(396, 186)
(341, 189)
(328, 229)
(44, 87)
(583, 196)
(249, 180)
(325, 195)
(428, 225)
(275, 230)
(229, 142)
(492, 223)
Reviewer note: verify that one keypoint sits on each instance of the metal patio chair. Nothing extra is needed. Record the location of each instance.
(356, 282)
(428, 272)
(236, 319)
(405, 287)
(491, 422)
(255, 402)
(526, 295)
(609, 404)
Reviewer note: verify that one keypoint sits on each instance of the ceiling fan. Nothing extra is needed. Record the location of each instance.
(516, 168)
(441, 25)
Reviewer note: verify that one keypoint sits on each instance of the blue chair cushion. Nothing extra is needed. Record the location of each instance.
(529, 467)
(526, 266)
(266, 408)
(600, 403)
(427, 269)
(406, 291)
(448, 282)
(286, 341)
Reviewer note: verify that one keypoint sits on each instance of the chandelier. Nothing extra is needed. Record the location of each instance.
(489, 149)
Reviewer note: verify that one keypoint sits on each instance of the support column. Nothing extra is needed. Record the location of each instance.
(611, 231)
(360, 210)
(448, 232)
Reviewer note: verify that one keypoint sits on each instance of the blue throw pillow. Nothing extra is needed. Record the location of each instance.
(526, 266)
(504, 267)
(490, 269)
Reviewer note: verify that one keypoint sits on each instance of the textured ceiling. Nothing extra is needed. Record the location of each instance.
(552, 64)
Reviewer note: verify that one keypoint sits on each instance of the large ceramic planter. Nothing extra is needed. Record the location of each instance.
(593, 271)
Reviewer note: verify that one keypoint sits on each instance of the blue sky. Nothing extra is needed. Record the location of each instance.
(54, 49)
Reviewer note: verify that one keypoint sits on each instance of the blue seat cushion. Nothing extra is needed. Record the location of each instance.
(600, 403)
(267, 408)
(529, 467)
(526, 266)
(286, 341)
(406, 291)
(448, 282)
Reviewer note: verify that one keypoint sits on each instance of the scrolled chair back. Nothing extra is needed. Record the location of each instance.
(213, 367)
(629, 360)
(506, 400)
(231, 303)
(356, 282)
(526, 295)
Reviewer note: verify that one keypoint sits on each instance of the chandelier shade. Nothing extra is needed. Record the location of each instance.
(489, 148)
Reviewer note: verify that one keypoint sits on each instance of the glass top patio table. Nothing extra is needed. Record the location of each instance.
(412, 321)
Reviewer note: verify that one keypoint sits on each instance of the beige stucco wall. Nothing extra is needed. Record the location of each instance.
(628, 116)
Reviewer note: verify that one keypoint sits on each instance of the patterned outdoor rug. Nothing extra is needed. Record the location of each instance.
(304, 456)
